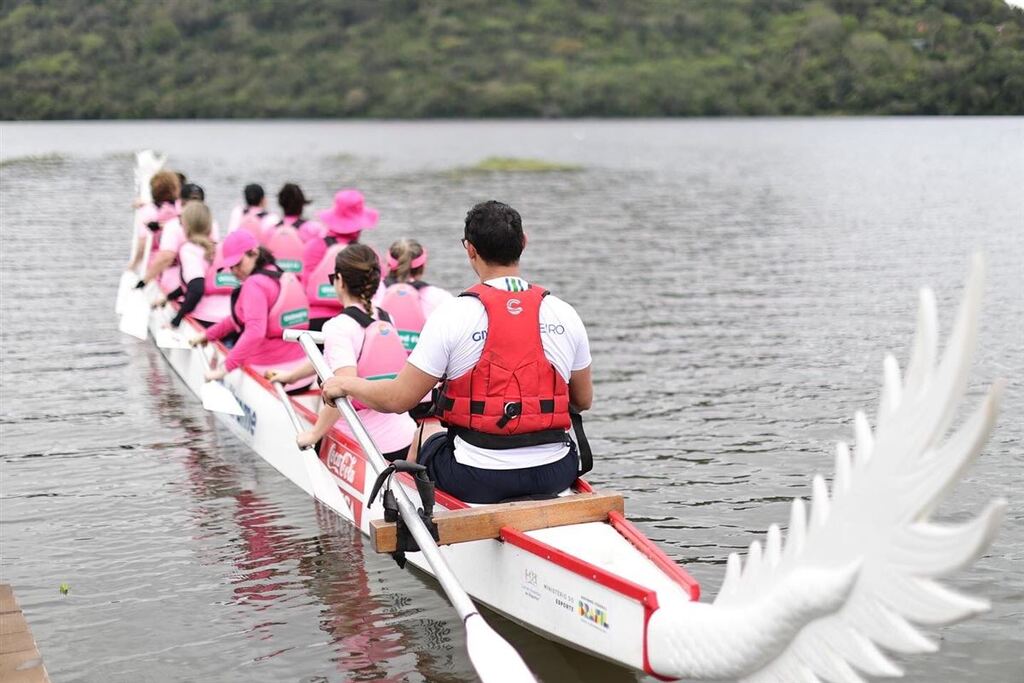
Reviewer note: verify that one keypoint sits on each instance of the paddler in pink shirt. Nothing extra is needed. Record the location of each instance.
(293, 202)
(165, 189)
(205, 292)
(344, 221)
(165, 265)
(359, 342)
(253, 215)
(267, 302)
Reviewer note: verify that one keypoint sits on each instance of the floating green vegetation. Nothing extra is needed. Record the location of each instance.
(518, 165)
(33, 160)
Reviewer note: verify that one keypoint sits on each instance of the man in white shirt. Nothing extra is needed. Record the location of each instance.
(510, 379)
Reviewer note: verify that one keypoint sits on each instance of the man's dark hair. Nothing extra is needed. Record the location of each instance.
(253, 194)
(496, 230)
(192, 191)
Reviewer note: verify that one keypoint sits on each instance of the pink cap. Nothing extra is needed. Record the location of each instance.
(234, 248)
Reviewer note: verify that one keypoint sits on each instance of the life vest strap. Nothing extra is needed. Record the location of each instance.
(363, 318)
(500, 442)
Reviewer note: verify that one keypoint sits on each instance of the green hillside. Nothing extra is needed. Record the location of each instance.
(66, 59)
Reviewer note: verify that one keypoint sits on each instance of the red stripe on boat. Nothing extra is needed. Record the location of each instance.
(655, 554)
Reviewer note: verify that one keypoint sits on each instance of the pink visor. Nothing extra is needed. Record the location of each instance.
(235, 247)
(417, 262)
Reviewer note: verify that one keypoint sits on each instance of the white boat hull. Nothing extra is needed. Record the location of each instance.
(565, 583)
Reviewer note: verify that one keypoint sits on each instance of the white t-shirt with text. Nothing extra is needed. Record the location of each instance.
(452, 341)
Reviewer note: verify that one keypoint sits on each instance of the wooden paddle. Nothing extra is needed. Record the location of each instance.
(492, 657)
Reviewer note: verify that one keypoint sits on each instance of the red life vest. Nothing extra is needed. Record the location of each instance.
(513, 397)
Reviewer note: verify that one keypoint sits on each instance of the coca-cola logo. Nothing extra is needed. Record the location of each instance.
(342, 464)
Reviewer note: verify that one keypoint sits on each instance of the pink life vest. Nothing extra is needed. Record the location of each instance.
(284, 243)
(252, 222)
(289, 310)
(382, 354)
(217, 281)
(319, 289)
(402, 301)
(153, 218)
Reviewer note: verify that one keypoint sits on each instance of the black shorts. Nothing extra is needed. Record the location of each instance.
(475, 485)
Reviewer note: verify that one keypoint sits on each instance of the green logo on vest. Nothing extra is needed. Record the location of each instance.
(409, 339)
(290, 265)
(226, 280)
(295, 317)
(326, 291)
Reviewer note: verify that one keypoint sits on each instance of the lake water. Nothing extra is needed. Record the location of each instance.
(740, 281)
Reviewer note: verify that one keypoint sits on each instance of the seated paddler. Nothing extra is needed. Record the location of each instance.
(267, 302)
(513, 359)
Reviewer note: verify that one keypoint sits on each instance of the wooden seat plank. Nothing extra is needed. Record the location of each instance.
(478, 523)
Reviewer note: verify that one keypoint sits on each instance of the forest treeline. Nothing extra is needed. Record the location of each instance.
(72, 59)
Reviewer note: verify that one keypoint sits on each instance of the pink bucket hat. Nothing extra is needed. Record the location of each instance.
(349, 214)
(234, 248)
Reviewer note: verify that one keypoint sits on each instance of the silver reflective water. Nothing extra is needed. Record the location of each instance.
(740, 281)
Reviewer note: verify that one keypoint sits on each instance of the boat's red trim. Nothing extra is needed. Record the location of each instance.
(645, 596)
(655, 554)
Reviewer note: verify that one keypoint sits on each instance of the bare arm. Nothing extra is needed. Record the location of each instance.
(304, 370)
(159, 264)
(397, 395)
(581, 389)
(327, 416)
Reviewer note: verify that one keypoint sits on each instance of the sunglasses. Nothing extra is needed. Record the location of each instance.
(332, 277)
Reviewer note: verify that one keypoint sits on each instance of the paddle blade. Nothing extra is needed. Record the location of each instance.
(135, 319)
(493, 658)
(219, 399)
(124, 289)
(170, 339)
(324, 488)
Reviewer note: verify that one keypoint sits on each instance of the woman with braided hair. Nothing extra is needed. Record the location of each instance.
(360, 342)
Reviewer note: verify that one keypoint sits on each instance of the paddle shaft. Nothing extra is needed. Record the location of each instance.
(289, 408)
(442, 572)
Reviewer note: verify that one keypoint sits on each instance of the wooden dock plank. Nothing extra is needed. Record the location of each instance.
(474, 524)
(19, 661)
(8, 604)
(19, 657)
(16, 642)
(12, 622)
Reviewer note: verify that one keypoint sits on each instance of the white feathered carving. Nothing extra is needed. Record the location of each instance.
(853, 577)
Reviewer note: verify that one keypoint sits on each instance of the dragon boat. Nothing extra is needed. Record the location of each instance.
(853, 576)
